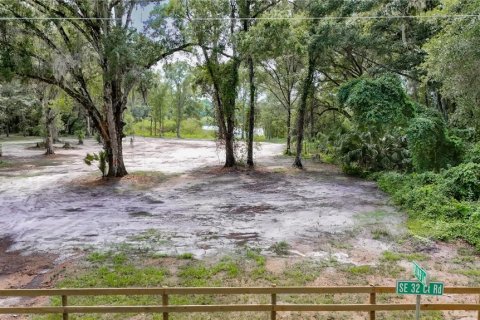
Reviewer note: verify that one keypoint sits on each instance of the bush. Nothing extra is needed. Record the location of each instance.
(443, 205)
(463, 182)
(169, 125)
(473, 154)
(191, 126)
(430, 146)
(101, 158)
(381, 111)
(361, 153)
(80, 135)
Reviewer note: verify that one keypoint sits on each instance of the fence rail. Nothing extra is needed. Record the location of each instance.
(273, 307)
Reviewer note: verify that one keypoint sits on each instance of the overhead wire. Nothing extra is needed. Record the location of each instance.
(269, 18)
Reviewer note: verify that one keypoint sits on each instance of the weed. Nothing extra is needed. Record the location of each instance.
(280, 248)
(360, 270)
(301, 273)
(469, 273)
(380, 233)
(389, 256)
(97, 257)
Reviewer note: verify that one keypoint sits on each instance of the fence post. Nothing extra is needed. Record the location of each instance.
(64, 304)
(373, 300)
(165, 303)
(478, 310)
(273, 314)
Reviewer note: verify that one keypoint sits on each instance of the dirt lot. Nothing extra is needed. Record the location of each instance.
(58, 204)
(179, 200)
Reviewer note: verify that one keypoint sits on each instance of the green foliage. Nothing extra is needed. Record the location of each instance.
(361, 152)
(440, 205)
(390, 256)
(186, 256)
(378, 104)
(473, 154)
(110, 269)
(98, 138)
(280, 248)
(429, 144)
(463, 182)
(375, 140)
(360, 270)
(191, 126)
(80, 136)
(101, 157)
(199, 274)
(452, 60)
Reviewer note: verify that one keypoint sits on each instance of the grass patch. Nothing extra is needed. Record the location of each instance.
(380, 233)
(468, 273)
(390, 256)
(151, 236)
(360, 270)
(280, 248)
(301, 273)
(186, 256)
(200, 274)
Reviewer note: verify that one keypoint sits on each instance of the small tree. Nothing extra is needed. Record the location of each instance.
(101, 157)
(80, 135)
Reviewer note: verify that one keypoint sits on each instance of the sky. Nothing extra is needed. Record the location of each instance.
(139, 17)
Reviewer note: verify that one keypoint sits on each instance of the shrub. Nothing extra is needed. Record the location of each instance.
(473, 154)
(463, 182)
(439, 205)
(101, 157)
(80, 135)
(169, 125)
(381, 111)
(191, 126)
(430, 146)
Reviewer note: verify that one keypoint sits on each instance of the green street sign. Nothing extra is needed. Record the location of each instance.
(420, 274)
(415, 287)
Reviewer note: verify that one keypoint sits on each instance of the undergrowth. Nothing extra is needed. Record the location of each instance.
(442, 205)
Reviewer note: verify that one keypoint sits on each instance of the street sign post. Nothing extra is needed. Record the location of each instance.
(421, 287)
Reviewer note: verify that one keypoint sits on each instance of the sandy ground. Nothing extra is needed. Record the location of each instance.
(57, 204)
(178, 200)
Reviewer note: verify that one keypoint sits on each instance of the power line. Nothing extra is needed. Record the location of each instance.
(267, 18)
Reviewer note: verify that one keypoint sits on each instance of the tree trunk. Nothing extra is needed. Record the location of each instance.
(301, 112)
(160, 124)
(251, 119)
(225, 108)
(55, 135)
(178, 124)
(89, 128)
(244, 119)
(49, 118)
(113, 133)
(289, 129)
(218, 117)
(230, 118)
(312, 116)
(229, 144)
